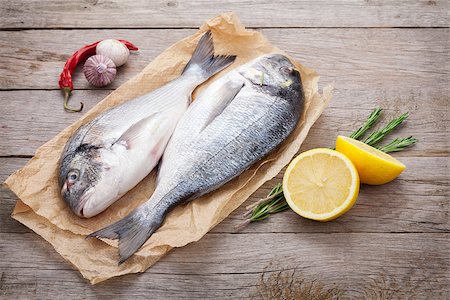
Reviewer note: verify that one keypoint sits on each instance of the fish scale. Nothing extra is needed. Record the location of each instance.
(111, 154)
(232, 125)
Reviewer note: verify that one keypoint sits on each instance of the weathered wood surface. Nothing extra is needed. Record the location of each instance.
(395, 242)
(183, 13)
(366, 59)
(399, 207)
(26, 126)
(361, 264)
(399, 69)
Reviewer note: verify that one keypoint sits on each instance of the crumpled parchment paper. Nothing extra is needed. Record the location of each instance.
(41, 208)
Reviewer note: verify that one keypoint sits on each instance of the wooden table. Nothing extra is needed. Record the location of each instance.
(394, 243)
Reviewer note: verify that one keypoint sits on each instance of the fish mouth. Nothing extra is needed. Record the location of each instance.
(83, 201)
(76, 204)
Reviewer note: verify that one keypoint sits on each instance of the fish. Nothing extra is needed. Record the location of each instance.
(111, 154)
(234, 123)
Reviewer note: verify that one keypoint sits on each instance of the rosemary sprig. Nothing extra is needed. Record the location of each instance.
(379, 135)
(398, 144)
(371, 120)
(272, 204)
(275, 201)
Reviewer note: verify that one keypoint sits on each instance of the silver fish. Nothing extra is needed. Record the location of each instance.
(235, 122)
(108, 156)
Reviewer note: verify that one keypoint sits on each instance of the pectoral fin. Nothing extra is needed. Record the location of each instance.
(208, 106)
(221, 98)
(140, 131)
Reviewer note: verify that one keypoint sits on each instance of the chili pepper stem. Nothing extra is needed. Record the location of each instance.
(65, 79)
(67, 93)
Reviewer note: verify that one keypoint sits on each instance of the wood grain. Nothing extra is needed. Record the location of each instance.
(39, 56)
(399, 70)
(393, 244)
(361, 58)
(407, 265)
(418, 201)
(10, 164)
(183, 13)
(26, 127)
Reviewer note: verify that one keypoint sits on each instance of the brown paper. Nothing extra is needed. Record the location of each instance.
(42, 209)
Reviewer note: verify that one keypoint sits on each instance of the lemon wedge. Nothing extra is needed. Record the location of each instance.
(321, 184)
(374, 166)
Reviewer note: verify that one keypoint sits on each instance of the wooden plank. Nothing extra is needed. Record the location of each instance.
(22, 125)
(400, 70)
(40, 55)
(359, 265)
(9, 165)
(25, 127)
(393, 244)
(8, 224)
(366, 59)
(418, 201)
(183, 13)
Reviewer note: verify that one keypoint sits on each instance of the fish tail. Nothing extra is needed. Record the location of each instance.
(204, 61)
(132, 232)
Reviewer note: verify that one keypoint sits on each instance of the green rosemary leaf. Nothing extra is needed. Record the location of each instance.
(275, 201)
(379, 135)
(398, 144)
(371, 120)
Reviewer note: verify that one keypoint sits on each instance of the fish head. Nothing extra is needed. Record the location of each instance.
(87, 185)
(274, 73)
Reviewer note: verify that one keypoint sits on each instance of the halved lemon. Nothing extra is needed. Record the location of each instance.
(321, 184)
(374, 166)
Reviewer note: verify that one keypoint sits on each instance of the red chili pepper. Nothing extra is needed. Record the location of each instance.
(65, 79)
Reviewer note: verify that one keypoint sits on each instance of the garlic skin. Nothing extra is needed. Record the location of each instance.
(99, 70)
(113, 49)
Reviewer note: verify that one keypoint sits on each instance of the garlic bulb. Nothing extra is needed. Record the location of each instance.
(115, 50)
(99, 70)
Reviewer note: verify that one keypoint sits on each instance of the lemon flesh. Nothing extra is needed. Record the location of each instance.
(374, 166)
(321, 184)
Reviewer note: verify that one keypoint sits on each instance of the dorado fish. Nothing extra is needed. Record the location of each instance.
(235, 122)
(108, 156)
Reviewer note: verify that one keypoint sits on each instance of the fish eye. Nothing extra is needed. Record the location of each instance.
(73, 175)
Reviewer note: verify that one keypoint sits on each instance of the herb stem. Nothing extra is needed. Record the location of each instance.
(371, 120)
(275, 201)
(398, 144)
(275, 192)
(379, 135)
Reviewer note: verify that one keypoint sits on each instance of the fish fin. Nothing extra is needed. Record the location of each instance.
(224, 96)
(203, 58)
(132, 232)
(136, 131)
(208, 106)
